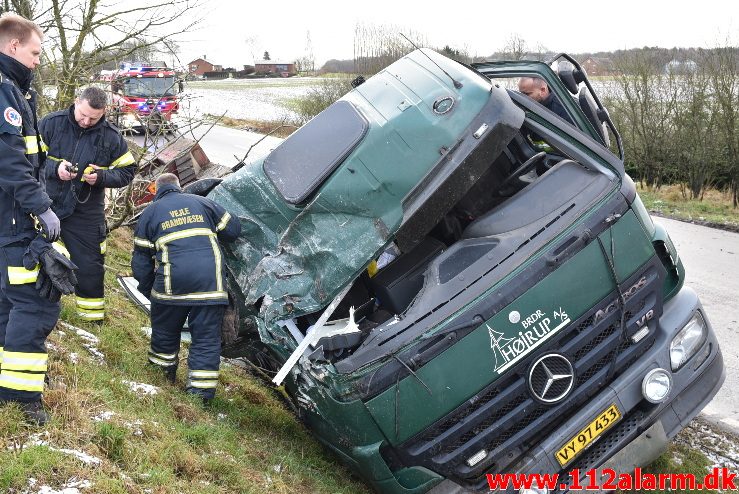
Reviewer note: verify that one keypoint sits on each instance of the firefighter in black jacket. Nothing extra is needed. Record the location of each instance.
(188, 281)
(28, 313)
(86, 154)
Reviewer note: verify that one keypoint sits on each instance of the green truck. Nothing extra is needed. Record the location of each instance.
(449, 280)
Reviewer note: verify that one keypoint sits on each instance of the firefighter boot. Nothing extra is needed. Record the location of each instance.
(170, 373)
(34, 412)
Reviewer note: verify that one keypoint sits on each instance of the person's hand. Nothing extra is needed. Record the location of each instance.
(50, 226)
(92, 177)
(62, 171)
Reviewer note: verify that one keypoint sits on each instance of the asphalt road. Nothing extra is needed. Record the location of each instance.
(711, 259)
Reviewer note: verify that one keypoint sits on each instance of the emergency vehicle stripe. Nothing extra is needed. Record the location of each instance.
(18, 275)
(21, 381)
(203, 374)
(19, 361)
(31, 144)
(125, 160)
(190, 296)
(90, 303)
(224, 221)
(142, 242)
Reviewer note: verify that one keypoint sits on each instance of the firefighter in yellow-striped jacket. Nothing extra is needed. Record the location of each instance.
(86, 154)
(178, 262)
(27, 227)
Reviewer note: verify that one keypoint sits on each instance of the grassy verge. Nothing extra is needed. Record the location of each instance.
(715, 209)
(679, 459)
(247, 441)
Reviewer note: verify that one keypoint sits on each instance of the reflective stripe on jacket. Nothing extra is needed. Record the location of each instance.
(177, 253)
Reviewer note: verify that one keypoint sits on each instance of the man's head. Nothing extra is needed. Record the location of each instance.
(20, 39)
(89, 107)
(534, 87)
(166, 179)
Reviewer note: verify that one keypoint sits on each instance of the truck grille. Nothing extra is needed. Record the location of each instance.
(504, 420)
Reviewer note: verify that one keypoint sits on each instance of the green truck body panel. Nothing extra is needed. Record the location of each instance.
(471, 364)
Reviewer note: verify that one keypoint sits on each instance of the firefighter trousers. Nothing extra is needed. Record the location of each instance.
(26, 319)
(84, 238)
(204, 322)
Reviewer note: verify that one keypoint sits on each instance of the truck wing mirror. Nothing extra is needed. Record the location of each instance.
(570, 76)
(594, 115)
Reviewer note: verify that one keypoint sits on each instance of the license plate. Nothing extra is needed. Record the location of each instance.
(604, 421)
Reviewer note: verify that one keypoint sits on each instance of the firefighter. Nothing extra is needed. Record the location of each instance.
(28, 312)
(86, 154)
(182, 233)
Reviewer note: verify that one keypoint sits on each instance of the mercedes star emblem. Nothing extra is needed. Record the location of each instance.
(551, 378)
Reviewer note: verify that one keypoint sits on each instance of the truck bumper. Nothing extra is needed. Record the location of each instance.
(645, 428)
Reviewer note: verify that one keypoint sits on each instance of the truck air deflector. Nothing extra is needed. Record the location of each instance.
(299, 165)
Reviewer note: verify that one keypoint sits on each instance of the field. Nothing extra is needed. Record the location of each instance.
(246, 99)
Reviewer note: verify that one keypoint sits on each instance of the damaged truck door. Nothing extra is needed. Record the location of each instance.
(470, 281)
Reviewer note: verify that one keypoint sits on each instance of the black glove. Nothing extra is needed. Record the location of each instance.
(56, 276)
(50, 225)
(46, 288)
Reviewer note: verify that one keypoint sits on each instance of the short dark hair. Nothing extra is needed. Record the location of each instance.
(14, 26)
(95, 97)
(166, 179)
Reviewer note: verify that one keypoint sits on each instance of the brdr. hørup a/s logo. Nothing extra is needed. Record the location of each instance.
(12, 117)
(511, 346)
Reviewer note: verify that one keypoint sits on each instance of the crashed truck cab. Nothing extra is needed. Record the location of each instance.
(455, 244)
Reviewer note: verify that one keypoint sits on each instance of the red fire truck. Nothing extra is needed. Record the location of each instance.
(143, 95)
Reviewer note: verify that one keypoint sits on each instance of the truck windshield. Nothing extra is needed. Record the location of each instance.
(149, 87)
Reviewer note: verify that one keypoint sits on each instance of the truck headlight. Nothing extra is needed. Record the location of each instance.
(656, 385)
(688, 341)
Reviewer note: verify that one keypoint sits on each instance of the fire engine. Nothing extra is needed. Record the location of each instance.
(143, 95)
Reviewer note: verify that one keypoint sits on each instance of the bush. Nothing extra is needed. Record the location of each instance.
(320, 97)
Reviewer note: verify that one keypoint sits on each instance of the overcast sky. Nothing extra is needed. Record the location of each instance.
(233, 32)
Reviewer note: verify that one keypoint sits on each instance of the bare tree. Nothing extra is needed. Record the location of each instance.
(377, 46)
(722, 65)
(515, 48)
(82, 34)
(646, 109)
